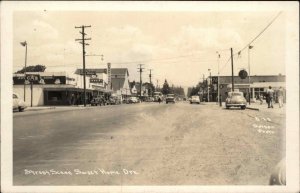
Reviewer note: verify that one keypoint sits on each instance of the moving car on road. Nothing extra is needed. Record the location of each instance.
(170, 98)
(195, 99)
(18, 103)
(235, 99)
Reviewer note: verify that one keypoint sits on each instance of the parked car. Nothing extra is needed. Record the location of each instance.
(133, 100)
(235, 99)
(170, 98)
(98, 101)
(150, 99)
(18, 103)
(114, 101)
(195, 99)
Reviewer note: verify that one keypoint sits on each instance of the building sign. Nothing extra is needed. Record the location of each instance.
(87, 72)
(37, 79)
(96, 80)
(243, 74)
(34, 78)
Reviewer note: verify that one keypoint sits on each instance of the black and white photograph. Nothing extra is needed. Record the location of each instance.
(150, 96)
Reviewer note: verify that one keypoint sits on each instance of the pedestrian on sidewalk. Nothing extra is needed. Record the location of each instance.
(270, 96)
(72, 99)
(280, 97)
(260, 98)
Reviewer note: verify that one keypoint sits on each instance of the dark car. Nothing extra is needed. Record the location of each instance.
(170, 98)
(114, 101)
(98, 101)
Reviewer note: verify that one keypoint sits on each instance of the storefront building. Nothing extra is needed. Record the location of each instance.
(112, 80)
(256, 86)
(50, 88)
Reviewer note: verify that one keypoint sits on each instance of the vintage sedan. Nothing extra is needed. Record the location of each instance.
(236, 99)
(170, 98)
(18, 103)
(195, 99)
(133, 100)
(98, 101)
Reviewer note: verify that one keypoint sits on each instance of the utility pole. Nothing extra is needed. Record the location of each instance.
(25, 44)
(219, 77)
(150, 75)
(249, 92)
(208, 86)
(141, 70)
(82, 41)
(232, 89)
(203, 87)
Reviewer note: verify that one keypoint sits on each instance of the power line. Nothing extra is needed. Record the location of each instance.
(158, 59)
(260, 33)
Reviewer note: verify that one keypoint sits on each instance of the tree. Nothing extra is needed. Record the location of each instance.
(166, 89)
(36, 68)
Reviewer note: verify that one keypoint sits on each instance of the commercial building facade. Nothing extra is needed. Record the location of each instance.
(257, 85)
(52, 88)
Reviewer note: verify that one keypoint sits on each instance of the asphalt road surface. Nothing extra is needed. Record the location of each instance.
(147, 144)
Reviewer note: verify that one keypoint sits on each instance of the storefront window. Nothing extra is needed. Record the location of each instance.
(54, 96)
(258, 92)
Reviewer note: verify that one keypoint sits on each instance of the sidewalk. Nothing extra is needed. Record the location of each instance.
(254, 106)
(264, 107)
(39, 108)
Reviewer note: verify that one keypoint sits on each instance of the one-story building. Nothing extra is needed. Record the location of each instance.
(257, 85)
(54, 88)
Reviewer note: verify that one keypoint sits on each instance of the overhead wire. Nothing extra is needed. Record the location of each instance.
(255, 38)
(260, 33)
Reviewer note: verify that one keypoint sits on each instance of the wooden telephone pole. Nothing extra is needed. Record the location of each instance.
(82, 41)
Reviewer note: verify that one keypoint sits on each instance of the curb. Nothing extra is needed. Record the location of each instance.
(40, 109)
(251, 108)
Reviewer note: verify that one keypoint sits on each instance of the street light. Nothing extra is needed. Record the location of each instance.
(249, 90)
(24, 44)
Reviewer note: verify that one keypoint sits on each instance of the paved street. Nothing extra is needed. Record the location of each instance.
(147, 144)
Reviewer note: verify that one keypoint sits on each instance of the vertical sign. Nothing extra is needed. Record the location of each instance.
(109, 75)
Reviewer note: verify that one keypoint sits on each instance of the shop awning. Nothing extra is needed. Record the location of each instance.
(267, 84)
(70, 89)
(238, 85)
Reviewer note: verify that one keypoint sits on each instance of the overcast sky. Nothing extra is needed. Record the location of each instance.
(178, 46)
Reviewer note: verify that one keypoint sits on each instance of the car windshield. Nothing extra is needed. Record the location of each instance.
(235, 94)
